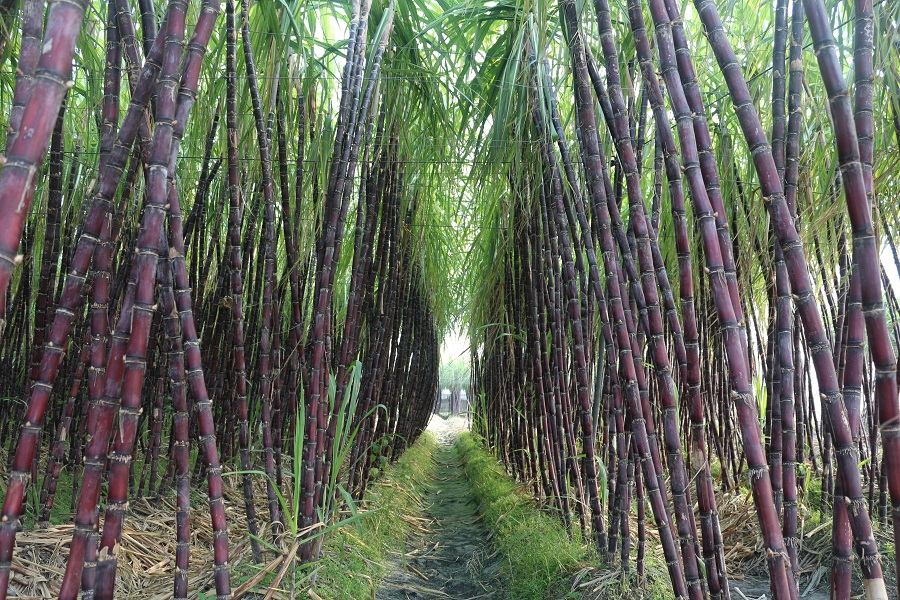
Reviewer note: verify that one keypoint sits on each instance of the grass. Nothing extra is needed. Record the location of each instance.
(538, 554)
(352, 561)
(540, 558)
(350, 565)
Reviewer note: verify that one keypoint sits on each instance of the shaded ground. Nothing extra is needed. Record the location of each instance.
(450, 556)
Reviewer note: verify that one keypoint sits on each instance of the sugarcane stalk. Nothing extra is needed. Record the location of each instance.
(180, 425)
(51, 241)
(57, 457)
(795, 258)
(205, 426)
(239, 368)
(123, 386)
(782, 286)
(637, 221)
(851, 385)
(706, 152)
(29, 55)
(790, 410)
(731, 323)
(713, 554)
(593, 168)
(69, 300)
(269, 233)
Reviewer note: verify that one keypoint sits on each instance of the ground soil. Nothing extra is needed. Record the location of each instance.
(449, 557)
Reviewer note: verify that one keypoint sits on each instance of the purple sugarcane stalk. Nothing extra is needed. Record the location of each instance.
(709, 522)
(180, 424)
(731, 323)
(707, 157)
(666, 387)
(789, 410)
(782, 285)
(205, 425)
(123, 385)
(29, 54)
(236, 269)
(593, 168)
(269, 243)
(70, 299)
(801, 284)
(853, 361)
(58, 449)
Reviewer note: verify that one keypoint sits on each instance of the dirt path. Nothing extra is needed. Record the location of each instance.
(450, 557)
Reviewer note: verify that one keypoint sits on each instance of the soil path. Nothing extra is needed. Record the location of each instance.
(450, 557)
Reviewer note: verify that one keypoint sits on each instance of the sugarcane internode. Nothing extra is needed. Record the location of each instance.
(246, 263)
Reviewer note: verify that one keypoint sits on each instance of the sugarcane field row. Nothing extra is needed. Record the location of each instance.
(261, 262)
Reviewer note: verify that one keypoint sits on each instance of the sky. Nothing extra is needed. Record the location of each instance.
(455, 347)
(890, 268)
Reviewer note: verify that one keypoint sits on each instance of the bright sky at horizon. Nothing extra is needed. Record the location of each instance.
(455, 347)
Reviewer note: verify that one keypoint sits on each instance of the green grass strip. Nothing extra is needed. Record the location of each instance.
(353, 559)
(538, 555)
